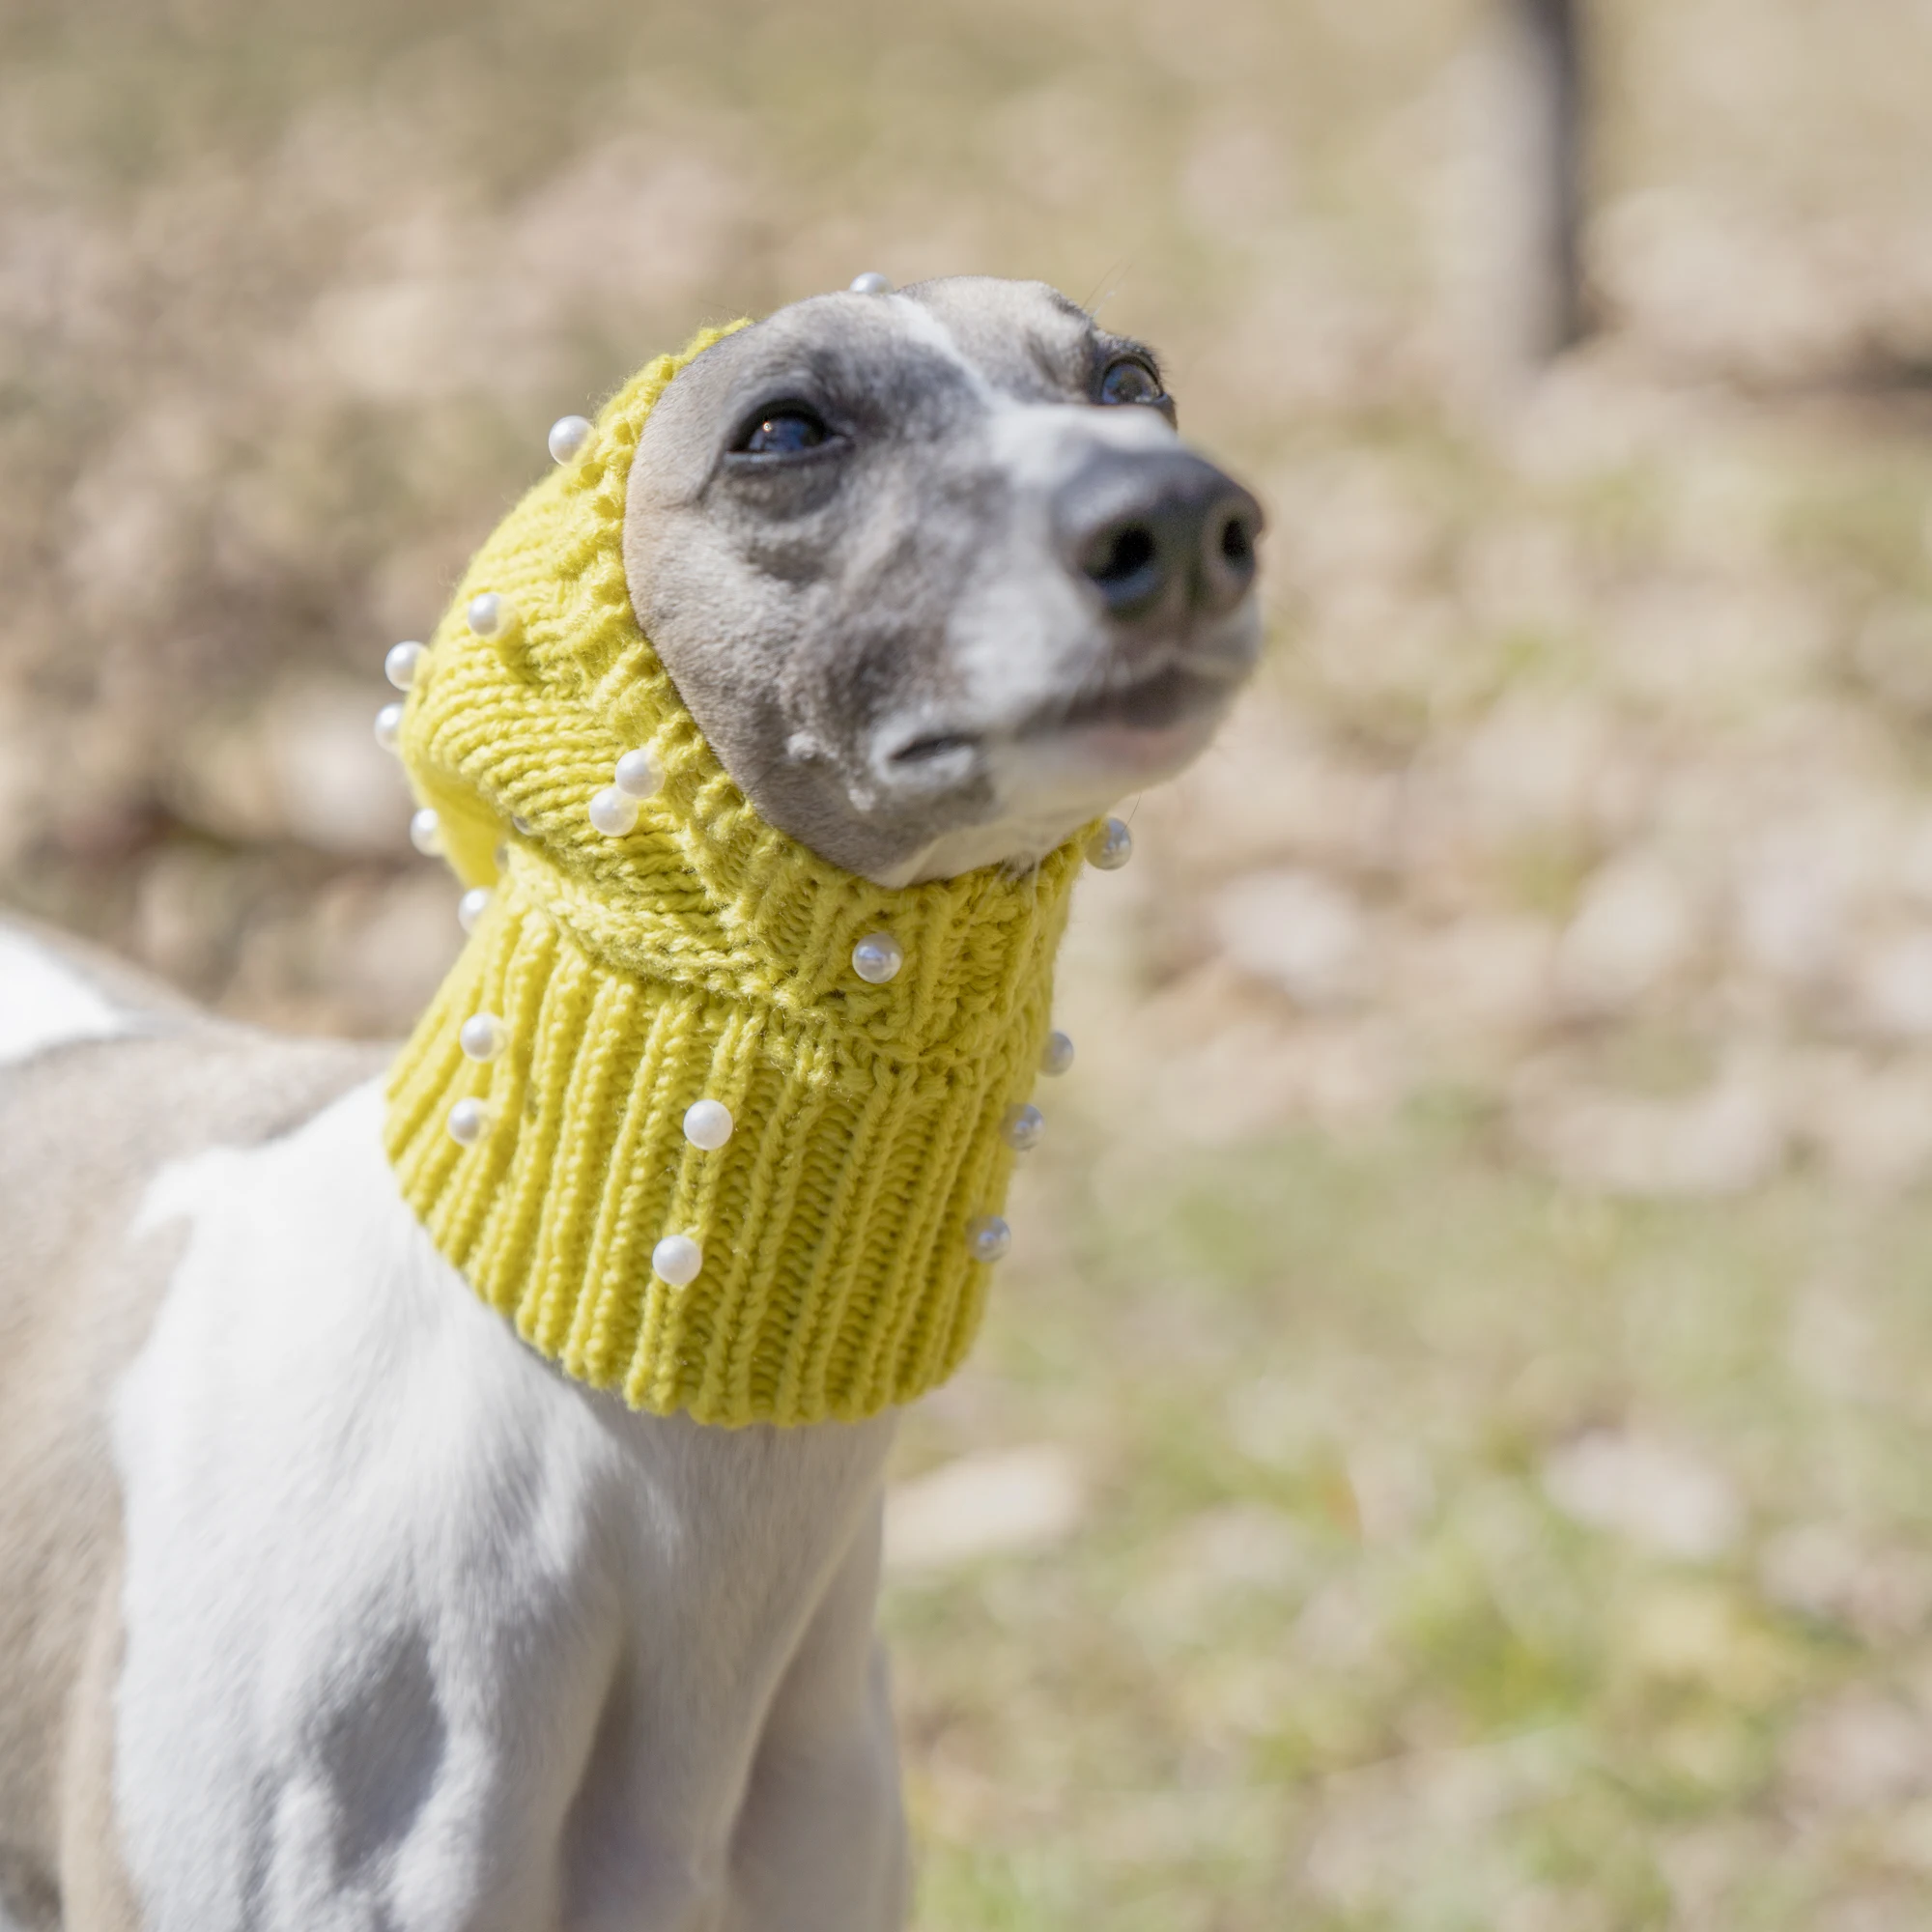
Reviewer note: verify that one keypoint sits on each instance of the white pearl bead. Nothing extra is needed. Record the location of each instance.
(707, 1125)
(466, 1120)
(471, 907)
(518, 823)
(612, 812)
(491, 617)
(878, 959)
(638, 773)
(402, 663)
(482, 1036)
(989, 1238)
(426, 832)
(1111, 847)
(1021, 1127)
(1057, 1054)
(569, 437)
(390, 726)
(677, 1257)
(870, 283)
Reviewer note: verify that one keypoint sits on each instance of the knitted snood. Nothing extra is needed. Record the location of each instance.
(704, 954)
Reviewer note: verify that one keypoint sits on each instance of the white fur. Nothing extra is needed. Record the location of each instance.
(421, 1635)
(930, 331)
(1043, 788)
(44, 1003)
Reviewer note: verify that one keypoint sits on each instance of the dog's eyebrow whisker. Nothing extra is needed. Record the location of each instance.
(1111, 284)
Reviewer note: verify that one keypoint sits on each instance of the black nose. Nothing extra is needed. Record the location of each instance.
(1160, 533)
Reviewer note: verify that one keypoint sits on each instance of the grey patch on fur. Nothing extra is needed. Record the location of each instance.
(882, 638)
(30, 1893)
(383, 1752)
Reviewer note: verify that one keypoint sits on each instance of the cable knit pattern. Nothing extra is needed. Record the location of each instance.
(704, 954)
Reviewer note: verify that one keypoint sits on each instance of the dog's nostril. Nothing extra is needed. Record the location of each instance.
(1159, 537)
(1129, 554)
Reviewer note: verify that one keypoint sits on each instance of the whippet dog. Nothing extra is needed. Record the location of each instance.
(325, 1601)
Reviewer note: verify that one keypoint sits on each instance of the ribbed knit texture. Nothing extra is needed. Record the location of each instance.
(704, 954)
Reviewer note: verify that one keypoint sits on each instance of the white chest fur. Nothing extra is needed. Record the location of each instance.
(419, 1633)
(44, 1003)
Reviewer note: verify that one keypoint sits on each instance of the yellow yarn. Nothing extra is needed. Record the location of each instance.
(704, 954)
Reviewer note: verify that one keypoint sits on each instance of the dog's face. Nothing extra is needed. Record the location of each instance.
(934, 573)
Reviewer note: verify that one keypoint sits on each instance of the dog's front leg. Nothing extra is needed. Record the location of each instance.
(820, 1843)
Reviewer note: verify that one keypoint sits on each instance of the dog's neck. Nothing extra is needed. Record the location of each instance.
(828, 1257)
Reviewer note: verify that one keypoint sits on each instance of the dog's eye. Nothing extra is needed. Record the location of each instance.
(1131, 381)
(787, 430)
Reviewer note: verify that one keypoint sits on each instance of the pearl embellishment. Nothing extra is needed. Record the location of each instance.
(613, 812)
(707, 1125)
(482, 1036)
(491, 617)
(638, 773)
(878, 959)
(390, 726)
(1111, 847)
(870, 283)
(426, 832)
(402, 663)
(989, 1238)
(466, 1120)
(1057, 1054)
(1021, 1128)
(471, 907)
(678, 1258)
(569, 437)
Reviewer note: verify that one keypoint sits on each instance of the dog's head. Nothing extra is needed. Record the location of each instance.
(934, 573)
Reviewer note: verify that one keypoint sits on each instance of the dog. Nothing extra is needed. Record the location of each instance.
(330, 1604)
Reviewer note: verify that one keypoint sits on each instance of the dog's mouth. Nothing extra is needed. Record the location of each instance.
(1156, 701)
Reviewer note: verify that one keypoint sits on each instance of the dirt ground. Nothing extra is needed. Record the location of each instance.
(1449, 1451)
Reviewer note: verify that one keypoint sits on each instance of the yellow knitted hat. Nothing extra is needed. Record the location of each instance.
(828, 1259)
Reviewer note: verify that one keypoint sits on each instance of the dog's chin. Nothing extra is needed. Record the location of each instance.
(1098, 763)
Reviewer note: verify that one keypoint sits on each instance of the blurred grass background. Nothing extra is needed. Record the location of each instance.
(1450, 1451)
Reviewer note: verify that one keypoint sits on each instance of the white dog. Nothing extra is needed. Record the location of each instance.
(328, 1603)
